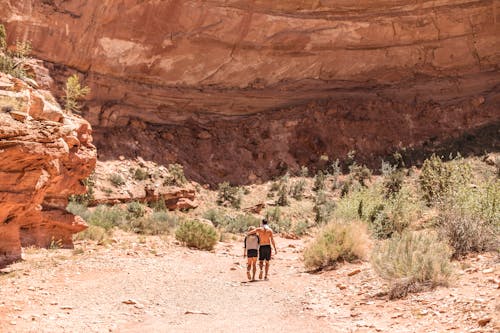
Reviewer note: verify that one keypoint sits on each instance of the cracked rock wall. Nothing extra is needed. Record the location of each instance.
(239, 89)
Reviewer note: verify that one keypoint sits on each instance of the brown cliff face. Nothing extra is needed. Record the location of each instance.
(44, 154)
(239, 90)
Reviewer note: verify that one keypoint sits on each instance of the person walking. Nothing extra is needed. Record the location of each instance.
(251, 250)
(265, 234)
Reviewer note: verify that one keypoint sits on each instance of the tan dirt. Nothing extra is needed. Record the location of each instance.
(152, 284)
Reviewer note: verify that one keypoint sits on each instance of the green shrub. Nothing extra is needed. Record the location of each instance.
(176, 175)
(337, 242)
(229, 195)
(412, 260)
(95, 233)
(469, 218)
(88, 196)
(298, 188)
(216, 216)
(12, 62)
(438, 178)
(334, 168)
(319, 181)
(157, 223)
(277, 222)
(74, 93)
(323, 208)
(385, 216)
(158, 205)
(79, 209)
(141, 174)
(239, 223)
(300, 228)
(108, 217)
(136, 210)
(231, 224)
(196, 234)
(116, 180)
(360, 173)
(283, 192)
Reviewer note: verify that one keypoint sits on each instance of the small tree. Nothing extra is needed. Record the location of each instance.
(3, 38)
(74, 93)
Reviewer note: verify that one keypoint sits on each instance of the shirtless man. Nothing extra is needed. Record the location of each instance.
(266, 239)
(251, 251)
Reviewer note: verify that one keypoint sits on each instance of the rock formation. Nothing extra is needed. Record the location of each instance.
(44, 154)
(240, 90)
(154, 185)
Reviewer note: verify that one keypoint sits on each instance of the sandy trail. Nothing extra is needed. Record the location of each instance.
(174, 289)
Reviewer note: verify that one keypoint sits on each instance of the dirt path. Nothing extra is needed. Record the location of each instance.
(173, 289)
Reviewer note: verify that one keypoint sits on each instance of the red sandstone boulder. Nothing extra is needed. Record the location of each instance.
(44, 154)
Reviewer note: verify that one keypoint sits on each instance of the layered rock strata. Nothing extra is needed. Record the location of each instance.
(238, 90)
(44, 154)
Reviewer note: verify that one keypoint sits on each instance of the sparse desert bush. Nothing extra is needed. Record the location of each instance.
(95, 233)
(360, 173)
(385, 216)
(412, 261)
(469, 218)
(157, 223)
(229, 195)
(176, 175)
(135, 210)
(12, 62)
(283, 191)
(338, 241)
(300, 228)
(88, 196)
(141, 174)
(216, 216)
(108, 217)
(438, 178)
(393, 179)
(239, 223)
(79, 209)
(196, 234)
(116, 180)
(231, 224)
(323, 208)
(277, 222)
(298, 188)
(319, 181)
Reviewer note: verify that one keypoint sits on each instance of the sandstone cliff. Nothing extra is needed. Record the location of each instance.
(44, 153)
(240, 89)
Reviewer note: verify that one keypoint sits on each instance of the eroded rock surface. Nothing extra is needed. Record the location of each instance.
(238, 90)
(44, 153)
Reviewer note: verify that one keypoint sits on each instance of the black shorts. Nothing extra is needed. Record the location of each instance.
(265, 252)
(252, 253)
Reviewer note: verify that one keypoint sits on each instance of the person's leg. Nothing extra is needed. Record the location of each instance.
(249, 265)
(267, 269)
(261, 264)
(254, 267)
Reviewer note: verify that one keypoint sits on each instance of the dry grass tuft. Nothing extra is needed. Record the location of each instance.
(412, 261)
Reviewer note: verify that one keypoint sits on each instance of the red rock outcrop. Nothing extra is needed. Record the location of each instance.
(241, 89)
(44, 153)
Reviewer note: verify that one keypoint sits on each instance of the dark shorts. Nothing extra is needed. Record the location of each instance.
(252, 253)
(265, 252)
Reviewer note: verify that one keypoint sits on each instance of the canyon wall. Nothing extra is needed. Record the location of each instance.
(241, 90)
(44, 154)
